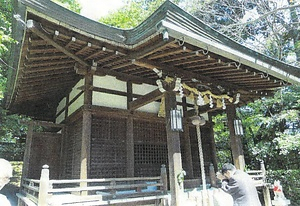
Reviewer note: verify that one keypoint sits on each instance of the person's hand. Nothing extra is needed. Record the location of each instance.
(220, 176)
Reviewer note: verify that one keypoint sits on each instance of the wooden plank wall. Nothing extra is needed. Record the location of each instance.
(45, 150)
(72, 150)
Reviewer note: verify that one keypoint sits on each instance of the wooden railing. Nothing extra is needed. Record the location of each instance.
(260, 181)
(106, 191)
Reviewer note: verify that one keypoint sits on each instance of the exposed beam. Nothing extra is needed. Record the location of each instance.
(54, 78)
(62, 68)
(35, 57)
(149, 50)
(36, 28)
(48, 63)
(119, 75)
(180, 72)
(150, 97)
(178, 50)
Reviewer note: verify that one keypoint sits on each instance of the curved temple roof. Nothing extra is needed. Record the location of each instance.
(56, 46)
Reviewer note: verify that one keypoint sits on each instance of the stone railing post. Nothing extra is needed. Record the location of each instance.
(164, 179)
(44, 187)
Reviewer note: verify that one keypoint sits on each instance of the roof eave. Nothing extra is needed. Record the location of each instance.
(236, 56)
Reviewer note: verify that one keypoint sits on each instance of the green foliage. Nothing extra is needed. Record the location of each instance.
(5, 41)
(11, 131)
(132, 14)
(289, 179)
(268, 128)
(268, 120)
(72, 5)
(222, 139)
(5, 26)
(17, 167)
(265, 26)
(12, 151)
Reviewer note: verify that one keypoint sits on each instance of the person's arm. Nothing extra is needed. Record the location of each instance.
(230, 186)
(220, 176)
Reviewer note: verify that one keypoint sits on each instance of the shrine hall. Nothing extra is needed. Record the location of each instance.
(124, 116)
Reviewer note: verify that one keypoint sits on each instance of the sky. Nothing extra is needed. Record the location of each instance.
(94, 9)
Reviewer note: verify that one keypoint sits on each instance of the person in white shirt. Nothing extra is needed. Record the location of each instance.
(6, 172)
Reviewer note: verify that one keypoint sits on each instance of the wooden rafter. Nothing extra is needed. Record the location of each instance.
(36, 28)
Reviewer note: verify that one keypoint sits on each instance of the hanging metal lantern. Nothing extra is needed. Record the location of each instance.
(238, 127)
(176, 120)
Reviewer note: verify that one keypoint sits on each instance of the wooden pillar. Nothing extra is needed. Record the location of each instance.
(130, 148)
(129, 136)
(235, 140)
(86, 130)
(188, 163)
(174, 153)
(213, 144)
(85, 144)
(62, 157)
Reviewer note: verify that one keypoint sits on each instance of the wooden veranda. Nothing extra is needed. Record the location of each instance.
(103, 96)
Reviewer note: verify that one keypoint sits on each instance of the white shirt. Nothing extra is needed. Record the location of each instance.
(4, 201)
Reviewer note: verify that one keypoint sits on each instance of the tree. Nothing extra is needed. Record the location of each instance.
(72, 5)
(132, 14)
(271, 127)
(5, 41)
(11, 131)
(269, 27)
(274, 126)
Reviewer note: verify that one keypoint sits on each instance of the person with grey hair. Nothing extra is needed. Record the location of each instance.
(239, 185)
(6, 172)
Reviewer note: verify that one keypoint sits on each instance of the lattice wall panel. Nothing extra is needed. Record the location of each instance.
(146, 131)
(108, 147)
(150, 147)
